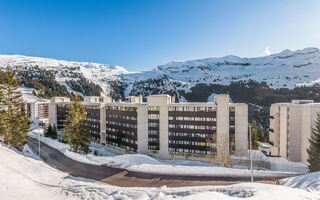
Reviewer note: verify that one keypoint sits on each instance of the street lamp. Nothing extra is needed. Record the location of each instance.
(39, 143)
(250, 142)
(41, 126)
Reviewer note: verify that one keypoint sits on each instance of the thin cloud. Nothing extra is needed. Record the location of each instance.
(267, 51)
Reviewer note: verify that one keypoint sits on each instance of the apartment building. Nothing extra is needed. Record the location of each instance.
(94, 107)
(291, 127)
(162, 127)
(39, 110)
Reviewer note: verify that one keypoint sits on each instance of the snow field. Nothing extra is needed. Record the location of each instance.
(27, 178)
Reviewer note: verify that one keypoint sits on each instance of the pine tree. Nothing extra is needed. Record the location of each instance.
(54, 132)
(15, 123)
(314, 148)
(76, 132)
(49, 132)
(260, 133)
(254, 136)
(2, 110)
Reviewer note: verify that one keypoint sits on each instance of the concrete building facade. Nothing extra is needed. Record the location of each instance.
(162, 127)
(290, 128)
(39, 110)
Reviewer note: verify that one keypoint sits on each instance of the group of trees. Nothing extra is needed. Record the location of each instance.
(14, 118)
(85, 87)
(15, 122)
(43, 81)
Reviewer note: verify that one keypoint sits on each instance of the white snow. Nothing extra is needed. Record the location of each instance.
(26, 178)
(28, 96)
(144, 163)
(97, 73)
(309, 182)
(285, 69)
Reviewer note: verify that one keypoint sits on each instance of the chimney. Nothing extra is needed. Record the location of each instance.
(140, 99)
(173, 99)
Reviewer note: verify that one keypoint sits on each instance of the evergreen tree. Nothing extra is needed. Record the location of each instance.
(54, 132)
(261, 133)
(314, 148)
(2, 110)
(15, 123)
(49, 131)
(254, 136)
(76, 132)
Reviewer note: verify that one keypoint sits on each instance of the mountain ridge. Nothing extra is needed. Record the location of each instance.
(287, 69)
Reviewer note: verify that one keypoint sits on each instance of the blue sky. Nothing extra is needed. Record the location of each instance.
(140, 34)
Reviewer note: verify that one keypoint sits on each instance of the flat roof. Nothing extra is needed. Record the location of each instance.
(296, 104)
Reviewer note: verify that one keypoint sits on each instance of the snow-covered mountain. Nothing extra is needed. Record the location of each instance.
(64, 71)
(286, 69)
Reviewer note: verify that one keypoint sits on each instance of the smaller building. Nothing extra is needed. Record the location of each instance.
(39, 110)
(290, 128)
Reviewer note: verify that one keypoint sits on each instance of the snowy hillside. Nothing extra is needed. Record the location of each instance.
(99, 74)
(26, 178)
(286, 69)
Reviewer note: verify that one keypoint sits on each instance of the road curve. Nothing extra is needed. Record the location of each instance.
(124, 178)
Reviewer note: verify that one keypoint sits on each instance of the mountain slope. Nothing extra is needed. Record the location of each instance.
(283, 70)
(72, 75)
(287, 69)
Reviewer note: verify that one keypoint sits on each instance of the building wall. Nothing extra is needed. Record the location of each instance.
(93, 121)
(222, 102)
(291, 125)
(192, 129)
(103, 124)
(241, 130)
(284, 131)
(53, 109)
(307, 119)
(294, 133)
(142, 131)
(274, 132)
(162, 101)
(121, 126)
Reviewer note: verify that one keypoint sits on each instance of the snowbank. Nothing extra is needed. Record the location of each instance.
(25, 178)
(309, 182)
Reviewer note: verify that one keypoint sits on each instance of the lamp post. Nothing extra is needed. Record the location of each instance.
(41, 126)
(39, 143)
(250, 142)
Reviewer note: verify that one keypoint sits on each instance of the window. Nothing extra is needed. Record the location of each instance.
(153, 132)
(179, 118)
(153, 116)
(153, 124)
(179, 108)
(153, 108)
